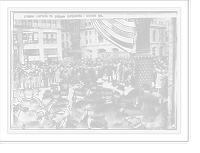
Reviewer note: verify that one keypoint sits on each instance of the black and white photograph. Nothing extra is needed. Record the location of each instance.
(93, 70)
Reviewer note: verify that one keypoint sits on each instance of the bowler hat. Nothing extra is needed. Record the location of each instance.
(121, 87)
(93, 87)
(81, 92)
(131, 111)
(125, 99)
(47, 92)
(116, 95)
(98, 113)
(99, 81)
(55, 109)
(108, 93)
(91, 106)
(25, 103)
(46, 100)
(64, 92)
(36, 91)
(146, 86)
(55, 94)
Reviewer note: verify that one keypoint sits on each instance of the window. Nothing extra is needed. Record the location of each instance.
(53, 23)
(100, 38)
(24, 22)
(154, 35)
(89, 23)
(30, 37)
(63, 45)
(49, 23)
(90, 33)
(90, 41)
(67, 44)
(62, 36)
(86, 41)
(66, 35)
(43, 23)
(29, 22)
(35, 22)
(85, 33)
(49, 38)
(15, 22)
(86, 24)
(15, 37)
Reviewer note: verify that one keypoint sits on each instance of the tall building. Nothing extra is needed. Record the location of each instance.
(37, 40)
(80, 39)
(159, 37)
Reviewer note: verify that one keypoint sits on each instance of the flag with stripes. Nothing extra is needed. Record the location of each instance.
(117, 31)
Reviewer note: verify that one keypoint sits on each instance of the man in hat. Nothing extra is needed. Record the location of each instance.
(90, 108)
(22, 113)
(162, 114)
(78, 108)
(93, 93)
(109, 108)
(132, 119)
(99, 124)
(98, 120)
(44, 122)
(15, 123)
(36, 97)
(58, 120)
(149, 103)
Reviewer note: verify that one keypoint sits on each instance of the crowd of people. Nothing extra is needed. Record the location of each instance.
(88, 94)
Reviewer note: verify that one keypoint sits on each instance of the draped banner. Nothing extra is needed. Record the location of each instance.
(117, 31)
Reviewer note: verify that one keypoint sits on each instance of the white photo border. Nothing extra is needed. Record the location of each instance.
(180, 135)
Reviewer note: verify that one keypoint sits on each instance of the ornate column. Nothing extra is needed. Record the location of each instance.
(143, 59)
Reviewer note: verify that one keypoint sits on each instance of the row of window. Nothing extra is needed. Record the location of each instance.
(161, 36)
(100, 38)
(33, 38)
(35, 23)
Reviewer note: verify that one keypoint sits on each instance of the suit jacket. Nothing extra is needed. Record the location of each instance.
(78, 110)
(83, 123)
(99, 102)
(149, 104)
(162, 116)
(134, 93)
(110, 110)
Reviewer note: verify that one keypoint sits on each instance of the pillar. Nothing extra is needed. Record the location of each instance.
(143, 58)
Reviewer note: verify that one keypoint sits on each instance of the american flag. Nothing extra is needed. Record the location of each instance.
(117, 31)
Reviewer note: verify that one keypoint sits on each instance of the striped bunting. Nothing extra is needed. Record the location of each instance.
(117, 32)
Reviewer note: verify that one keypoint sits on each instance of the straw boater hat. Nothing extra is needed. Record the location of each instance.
(99, 81)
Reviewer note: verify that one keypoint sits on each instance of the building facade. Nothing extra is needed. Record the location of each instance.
(37, 40)
(159, 37)
(80, 39)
